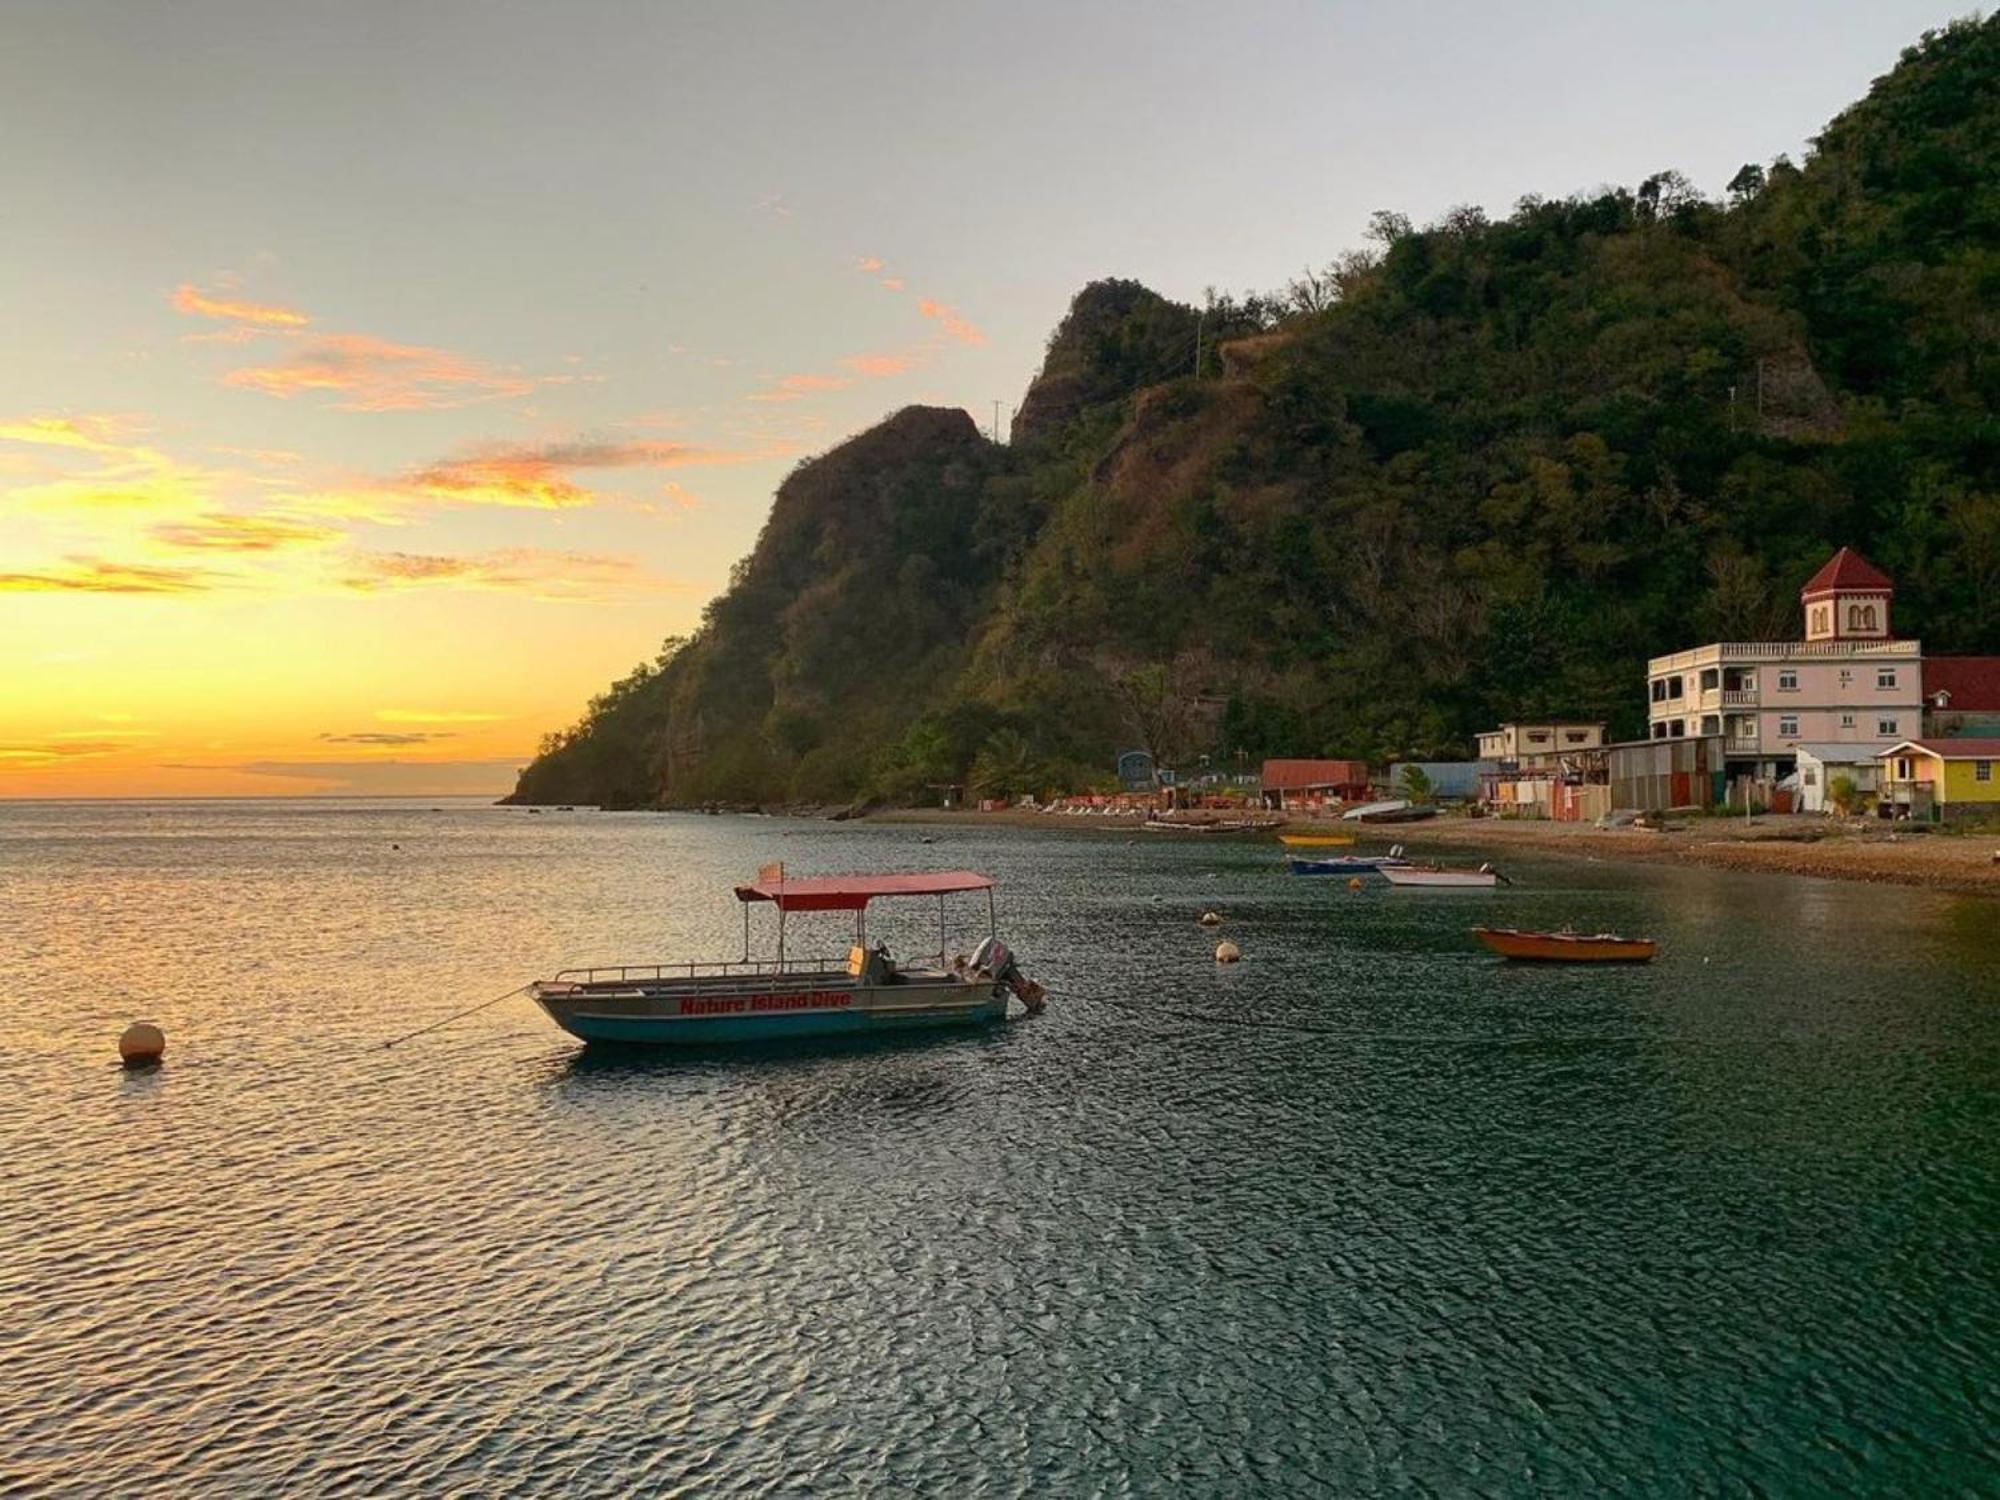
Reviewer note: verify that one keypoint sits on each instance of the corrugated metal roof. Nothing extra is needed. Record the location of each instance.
(1300, 775)
(1841, 752)
(1972, 681)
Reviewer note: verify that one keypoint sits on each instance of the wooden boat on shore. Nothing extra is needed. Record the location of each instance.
(781, 997)
(1437, 877)
(1395, 810)
(1566, 947)
(1315, 840)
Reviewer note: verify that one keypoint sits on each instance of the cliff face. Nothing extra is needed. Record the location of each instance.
(1509, 463)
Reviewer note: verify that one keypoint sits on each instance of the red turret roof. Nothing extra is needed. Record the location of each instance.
(1848, 569)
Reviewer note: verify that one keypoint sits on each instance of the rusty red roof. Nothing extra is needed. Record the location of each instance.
(1848, 569)
(1972, 681)
(1302, 775)
(852, 892)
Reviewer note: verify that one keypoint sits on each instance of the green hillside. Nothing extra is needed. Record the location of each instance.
(1480, 470)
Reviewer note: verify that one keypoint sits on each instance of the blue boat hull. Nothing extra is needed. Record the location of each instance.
(708, 1031)
(1339, 866)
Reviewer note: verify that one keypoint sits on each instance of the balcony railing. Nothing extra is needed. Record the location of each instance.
(1739, 697)
(1724, 652)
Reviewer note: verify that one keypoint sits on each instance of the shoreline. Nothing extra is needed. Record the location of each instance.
(1776, 844)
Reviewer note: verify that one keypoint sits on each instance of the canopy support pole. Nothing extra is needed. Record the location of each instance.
(992, 922)
(940, 931)
(746, 931)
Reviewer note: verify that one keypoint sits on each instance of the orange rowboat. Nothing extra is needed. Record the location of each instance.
(1567, 947)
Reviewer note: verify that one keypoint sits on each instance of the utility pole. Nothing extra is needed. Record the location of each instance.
(996, 420)
(1200, 318)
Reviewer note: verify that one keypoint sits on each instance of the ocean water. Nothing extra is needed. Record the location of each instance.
(1369, 1212)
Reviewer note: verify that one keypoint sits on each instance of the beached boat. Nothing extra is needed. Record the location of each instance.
(1437, 877)
(1346, 864)
(1315, 840)
(1395, 810)
(756, 1000)
(1566, 947)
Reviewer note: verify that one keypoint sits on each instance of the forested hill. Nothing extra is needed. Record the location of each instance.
(1477, 471)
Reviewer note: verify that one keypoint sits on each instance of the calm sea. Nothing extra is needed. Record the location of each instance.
(1368, 1212)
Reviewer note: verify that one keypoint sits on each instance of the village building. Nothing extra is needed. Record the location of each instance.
(1850, 681)
(1940, 780)
(1961, 697)
(1819, 764)
(1525, 746)
(1310, 785)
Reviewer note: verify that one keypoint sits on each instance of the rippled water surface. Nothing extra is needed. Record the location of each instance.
(1368, 1212)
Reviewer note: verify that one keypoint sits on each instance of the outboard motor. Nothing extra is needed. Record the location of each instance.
(995, 959)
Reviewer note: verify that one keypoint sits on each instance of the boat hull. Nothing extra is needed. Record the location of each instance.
(1566, 947)
(1442, 880)
(1366, 865)
(1316, 840)
(681, 1016)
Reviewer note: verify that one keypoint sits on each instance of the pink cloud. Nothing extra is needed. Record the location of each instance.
(372, 374)
(879, 366)
(869, 263)
(196, 303)
(954, 326)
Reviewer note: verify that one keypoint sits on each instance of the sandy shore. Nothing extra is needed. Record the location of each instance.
(1801, 845)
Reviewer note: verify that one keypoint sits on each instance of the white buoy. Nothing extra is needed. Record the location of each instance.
(1227, 952)
(141, 1043)
(1210, 919)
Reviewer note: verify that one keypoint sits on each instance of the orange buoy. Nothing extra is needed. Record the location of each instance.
(1227, 952)
(141, 1043)
(1354, 882)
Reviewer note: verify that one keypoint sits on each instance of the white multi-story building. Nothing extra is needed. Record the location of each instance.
(1848, 682)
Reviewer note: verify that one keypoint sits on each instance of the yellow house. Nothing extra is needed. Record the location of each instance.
(1938, 779)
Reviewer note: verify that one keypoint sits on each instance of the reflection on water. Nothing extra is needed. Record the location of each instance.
(1368, 1210)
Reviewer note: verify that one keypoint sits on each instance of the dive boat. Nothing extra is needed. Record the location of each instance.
(1437, 877)
(764, 999)
(1347, 864)
(1315, 840)
(1566, 947)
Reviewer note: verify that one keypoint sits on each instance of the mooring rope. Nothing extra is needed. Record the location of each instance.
(459, 1015)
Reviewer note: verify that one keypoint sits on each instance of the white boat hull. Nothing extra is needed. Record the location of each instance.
(1468, 880)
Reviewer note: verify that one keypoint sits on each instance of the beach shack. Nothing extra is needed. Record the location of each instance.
(1939, 780)
(1821, 762)
(1309, 785)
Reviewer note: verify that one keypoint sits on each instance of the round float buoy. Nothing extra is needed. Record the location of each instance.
(1210, 919)
(1227, 952)
(1354, 882)
(141, 1043)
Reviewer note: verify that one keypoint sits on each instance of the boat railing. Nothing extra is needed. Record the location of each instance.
(755, 969)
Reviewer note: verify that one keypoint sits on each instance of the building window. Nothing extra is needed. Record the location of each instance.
(1660, 731)
(1576, 736)
(1538, 736)
(1679, 730)
(1659, 690)
(1885, 677)
(1885, 726)
(1710, 724)
(1903, 769)
(1847, 721)
(1788, 726)
(1788, 681)
(1809, 775)
(1673, 687)
(1982, 770)
(1710, 679)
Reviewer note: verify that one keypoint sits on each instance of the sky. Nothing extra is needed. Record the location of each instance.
(379, 381)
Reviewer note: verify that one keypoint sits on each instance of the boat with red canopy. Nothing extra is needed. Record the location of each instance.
(783, 996)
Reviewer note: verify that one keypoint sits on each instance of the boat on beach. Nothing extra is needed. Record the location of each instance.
(1437, 877)
(1566, 947)
(747, 1000)
(1396, 810)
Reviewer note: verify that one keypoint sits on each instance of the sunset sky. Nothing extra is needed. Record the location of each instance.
(382, 380)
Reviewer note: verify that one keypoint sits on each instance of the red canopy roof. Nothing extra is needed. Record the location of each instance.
(1305, 775)
(852, 892)
(1848, 569)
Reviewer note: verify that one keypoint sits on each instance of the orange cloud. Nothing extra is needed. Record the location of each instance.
(893, 283)
(869, 263)
(196, 303)
(953, 325)
(90, 575)
(87, 434)
(372, 374)
(224, 531)
(537, 478)
(879, 366)
(531, 570)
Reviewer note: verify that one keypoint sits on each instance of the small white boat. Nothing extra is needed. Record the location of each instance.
(1437, 877)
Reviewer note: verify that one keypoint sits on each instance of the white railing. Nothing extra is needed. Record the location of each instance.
(754, 971)
(1739, 697)
(1768, 651)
